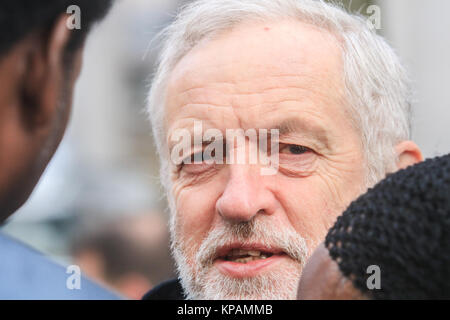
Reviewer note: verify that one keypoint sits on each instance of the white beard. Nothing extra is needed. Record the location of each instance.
(201, 280)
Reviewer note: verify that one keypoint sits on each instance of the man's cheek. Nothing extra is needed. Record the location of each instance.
(195, 213)
(330, 199)
(334, 194)
(341, 181)
(346, 167)
(306, 205)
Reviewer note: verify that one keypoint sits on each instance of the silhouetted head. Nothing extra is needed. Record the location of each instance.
(40, 59)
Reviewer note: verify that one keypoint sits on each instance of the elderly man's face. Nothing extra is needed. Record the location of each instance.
(238, 233)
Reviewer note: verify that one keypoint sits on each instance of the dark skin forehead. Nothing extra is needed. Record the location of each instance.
(322, 280)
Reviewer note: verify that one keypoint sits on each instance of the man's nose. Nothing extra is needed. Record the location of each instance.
(245, 195)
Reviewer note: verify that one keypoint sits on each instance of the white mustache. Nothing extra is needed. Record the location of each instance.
(257, 231)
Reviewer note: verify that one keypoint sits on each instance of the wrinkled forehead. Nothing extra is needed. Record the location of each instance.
(257, 64)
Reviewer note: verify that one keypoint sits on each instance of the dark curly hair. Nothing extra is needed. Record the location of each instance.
(401, 225)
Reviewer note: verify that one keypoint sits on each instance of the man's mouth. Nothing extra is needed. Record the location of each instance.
(244, 256)
(241, 261)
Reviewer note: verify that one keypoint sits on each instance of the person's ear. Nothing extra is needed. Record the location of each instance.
(44, 78)
(408, 154)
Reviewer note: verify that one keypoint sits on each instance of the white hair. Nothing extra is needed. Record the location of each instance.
(376, 84)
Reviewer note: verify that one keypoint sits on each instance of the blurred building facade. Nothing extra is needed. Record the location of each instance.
(419, 31)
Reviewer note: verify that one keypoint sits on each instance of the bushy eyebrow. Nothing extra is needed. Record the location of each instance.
(289, 126)
(304, 127)
(189, 128)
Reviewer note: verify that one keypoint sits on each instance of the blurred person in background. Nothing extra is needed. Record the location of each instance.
(391, 243)
(40, 59)
(338, 95)
(128, 254)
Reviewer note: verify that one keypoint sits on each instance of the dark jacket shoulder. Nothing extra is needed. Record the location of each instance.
(168, 290)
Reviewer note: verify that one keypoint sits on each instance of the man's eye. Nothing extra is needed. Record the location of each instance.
(198, 158)
(294, 149)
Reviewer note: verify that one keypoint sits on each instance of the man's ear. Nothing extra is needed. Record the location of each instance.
(408, 154)
(44, 78)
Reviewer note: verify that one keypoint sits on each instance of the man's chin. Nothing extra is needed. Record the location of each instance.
(277, 280)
